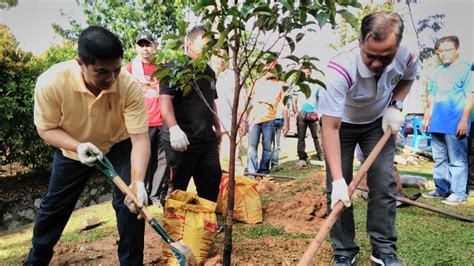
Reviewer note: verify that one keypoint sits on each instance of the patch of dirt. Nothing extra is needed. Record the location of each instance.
(104, 251)
(304, 211)
(271, 251)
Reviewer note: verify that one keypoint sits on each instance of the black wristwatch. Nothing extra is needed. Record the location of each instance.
(397, 104)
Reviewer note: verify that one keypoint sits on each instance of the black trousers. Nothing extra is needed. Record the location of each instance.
(68, 179)
(156, 172)
(301, 126)
(381, 209)
(203, 165)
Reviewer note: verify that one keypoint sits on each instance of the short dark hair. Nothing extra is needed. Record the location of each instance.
(451, 38)
(96, 42)
(379, 25)
(194, 31)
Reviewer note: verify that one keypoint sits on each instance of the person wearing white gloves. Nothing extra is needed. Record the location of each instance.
(89, 104)
(191, 129)
(366, 83)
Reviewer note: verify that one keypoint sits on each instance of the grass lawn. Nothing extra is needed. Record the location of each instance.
(424, 237)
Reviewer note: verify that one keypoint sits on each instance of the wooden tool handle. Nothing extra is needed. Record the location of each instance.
(434, 209)
(339, 206)
(127, 191)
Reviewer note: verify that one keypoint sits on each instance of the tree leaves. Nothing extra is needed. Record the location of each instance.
(202, 4)
(299, 37)
(291, 43)
(127, 18)
(349, 18)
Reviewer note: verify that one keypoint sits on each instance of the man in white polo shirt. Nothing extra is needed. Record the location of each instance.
(366, 85)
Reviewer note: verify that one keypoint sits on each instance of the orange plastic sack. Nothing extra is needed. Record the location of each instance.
(192, 219)
(247, 205)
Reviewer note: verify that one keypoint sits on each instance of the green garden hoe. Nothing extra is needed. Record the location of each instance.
(182, 253)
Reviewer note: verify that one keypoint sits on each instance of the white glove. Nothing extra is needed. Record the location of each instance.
(393, 118)
(340, 192)
(138, 188)
(86, 159)
(178, 139)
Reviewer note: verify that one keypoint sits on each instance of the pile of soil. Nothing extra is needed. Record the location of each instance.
(302, 212)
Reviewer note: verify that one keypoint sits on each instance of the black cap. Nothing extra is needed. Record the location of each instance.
(145, 36)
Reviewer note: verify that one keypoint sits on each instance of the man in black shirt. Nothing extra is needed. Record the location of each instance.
(191, 129)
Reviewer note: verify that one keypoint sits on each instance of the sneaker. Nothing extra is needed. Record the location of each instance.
(385, 259)
(341, 260)
(453, 200)
(433, 195)
(302, 164)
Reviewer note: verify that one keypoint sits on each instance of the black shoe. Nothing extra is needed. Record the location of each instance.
(341, 260)
(413, 197)
(385, 259)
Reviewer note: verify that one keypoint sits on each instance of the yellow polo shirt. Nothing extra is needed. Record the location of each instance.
(63, 101)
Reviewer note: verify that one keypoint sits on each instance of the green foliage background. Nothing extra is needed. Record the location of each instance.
(19, 70)
(127, 18)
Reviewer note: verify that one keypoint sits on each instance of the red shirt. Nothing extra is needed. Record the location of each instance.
(151, 93)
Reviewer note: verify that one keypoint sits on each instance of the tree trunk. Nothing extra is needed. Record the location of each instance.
(229, 217)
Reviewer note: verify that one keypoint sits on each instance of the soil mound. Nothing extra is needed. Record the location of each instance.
(304, 211)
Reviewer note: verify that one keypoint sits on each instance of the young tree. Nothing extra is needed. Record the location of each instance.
(257, 33)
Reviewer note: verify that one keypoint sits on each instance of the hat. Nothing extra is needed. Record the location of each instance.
(145, 36)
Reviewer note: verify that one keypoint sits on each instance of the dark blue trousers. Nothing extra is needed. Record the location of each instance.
(68, 179)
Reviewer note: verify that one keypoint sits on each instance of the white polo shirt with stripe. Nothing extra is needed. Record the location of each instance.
(351, 90)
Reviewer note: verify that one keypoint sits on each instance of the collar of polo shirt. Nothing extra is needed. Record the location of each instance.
(363, 70)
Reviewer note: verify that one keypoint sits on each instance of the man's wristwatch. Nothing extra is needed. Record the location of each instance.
(397, 104)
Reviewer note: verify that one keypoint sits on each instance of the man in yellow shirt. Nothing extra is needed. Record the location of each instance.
(89, 104)
(265, 95)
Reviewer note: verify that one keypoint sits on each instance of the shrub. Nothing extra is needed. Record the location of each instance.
(18, 72)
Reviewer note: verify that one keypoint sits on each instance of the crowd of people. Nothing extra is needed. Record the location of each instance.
(157, 137)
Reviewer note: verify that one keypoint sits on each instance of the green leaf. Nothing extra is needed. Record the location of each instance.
(349, 18)
(319, 82)
(187, 88)
(291, 43)
(299, 37)
(305, 89)
(303, 16)
(202, 4)
(322, 18)
(294, 58)
(290, 73)
(353, 3)
(286, 4)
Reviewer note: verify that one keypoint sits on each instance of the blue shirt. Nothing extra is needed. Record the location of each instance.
(449, 89)
(309, 104)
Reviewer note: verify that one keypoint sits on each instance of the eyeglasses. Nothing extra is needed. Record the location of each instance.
(440, 51)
